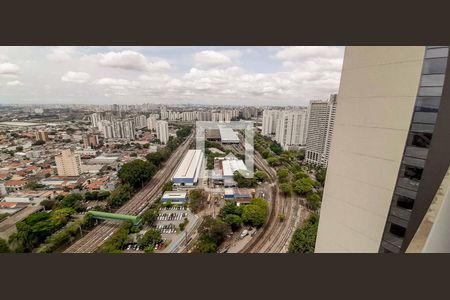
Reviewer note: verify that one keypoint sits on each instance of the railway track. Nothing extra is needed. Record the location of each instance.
(266, 231)
(274, 235)
(96, 237)
(286, 210)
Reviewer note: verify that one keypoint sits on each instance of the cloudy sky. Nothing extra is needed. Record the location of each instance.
(202, 75)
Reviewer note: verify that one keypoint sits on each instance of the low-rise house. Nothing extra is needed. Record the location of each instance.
(15, 185)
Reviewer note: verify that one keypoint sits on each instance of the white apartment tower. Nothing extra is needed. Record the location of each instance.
(95, 119)
(68, 164)
(151, 123)
(164, 113)
(321, 116)
(141, 121)
(291, 128)
(269, 121)
(162, 131)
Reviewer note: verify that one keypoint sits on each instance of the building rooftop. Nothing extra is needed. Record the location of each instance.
(189, 164)
(231, 166)
(228, 135)
(172, 195)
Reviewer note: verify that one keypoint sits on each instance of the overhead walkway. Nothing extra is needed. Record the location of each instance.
(114, 217)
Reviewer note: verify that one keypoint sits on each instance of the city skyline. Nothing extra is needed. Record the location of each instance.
(169, 75)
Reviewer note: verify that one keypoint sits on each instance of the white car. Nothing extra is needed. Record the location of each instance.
(244, 233)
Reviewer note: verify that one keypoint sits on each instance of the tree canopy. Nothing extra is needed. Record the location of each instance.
(304, 238)
(261, 176)
(256, 213)
(150, 239)
(244, 182)
(136, 173)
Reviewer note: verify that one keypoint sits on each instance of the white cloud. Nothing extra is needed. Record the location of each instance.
(132, 60)
(76, 77)
(113, 81)
(14, 83)
(61, 54)
(211, 59)
(7, 68)
(117, 83)
(3, 58)
(306, 52)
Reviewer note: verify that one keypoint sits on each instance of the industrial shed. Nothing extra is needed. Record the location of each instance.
(189, 170)
(228, 136)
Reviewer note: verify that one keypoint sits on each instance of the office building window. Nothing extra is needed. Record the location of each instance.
(397, 230)
(404, 202)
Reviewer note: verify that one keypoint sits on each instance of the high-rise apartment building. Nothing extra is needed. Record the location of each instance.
(164, 113)
(152, 122)
(269, 121)
(42, 135)
(188, 116)
(162, 131)
(389, 153)
(320, 124)
(68, 163)
(291, 128)
(204, 115)
(119, 129)
(95, 119)
(90, 140)
(140, 121)
(217, 117)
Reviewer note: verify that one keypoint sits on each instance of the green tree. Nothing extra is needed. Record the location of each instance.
(206, 245)
(197, 200)
(234, 221)
(168, 186)
(216, 229)
(33, 185)
(184, 131)
(150, 239)
(150, 215)
(276, 148)
(116, 241)
(273, 161)
(244, 182)
(156, 158)
(261, 176)
(303, 186)
(286, 188)
(321, 175)
(136, 173)
(313, 201)
(304, 238)
(230, 208)
(72, 201)
(119, 195)
(4, 248)
(256, 213)
(300, 175)
(283, 174)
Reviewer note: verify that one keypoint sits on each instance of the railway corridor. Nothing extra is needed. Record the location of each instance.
(145, 197)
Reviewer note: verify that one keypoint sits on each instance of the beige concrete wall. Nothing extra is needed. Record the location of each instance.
(374, 109)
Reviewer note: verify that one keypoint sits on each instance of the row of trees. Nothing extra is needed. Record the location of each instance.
(304, 238)
(117, 240)
(34, 229)
(67, 235)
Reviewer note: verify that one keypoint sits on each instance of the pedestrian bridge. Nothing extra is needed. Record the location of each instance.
(114, 217)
